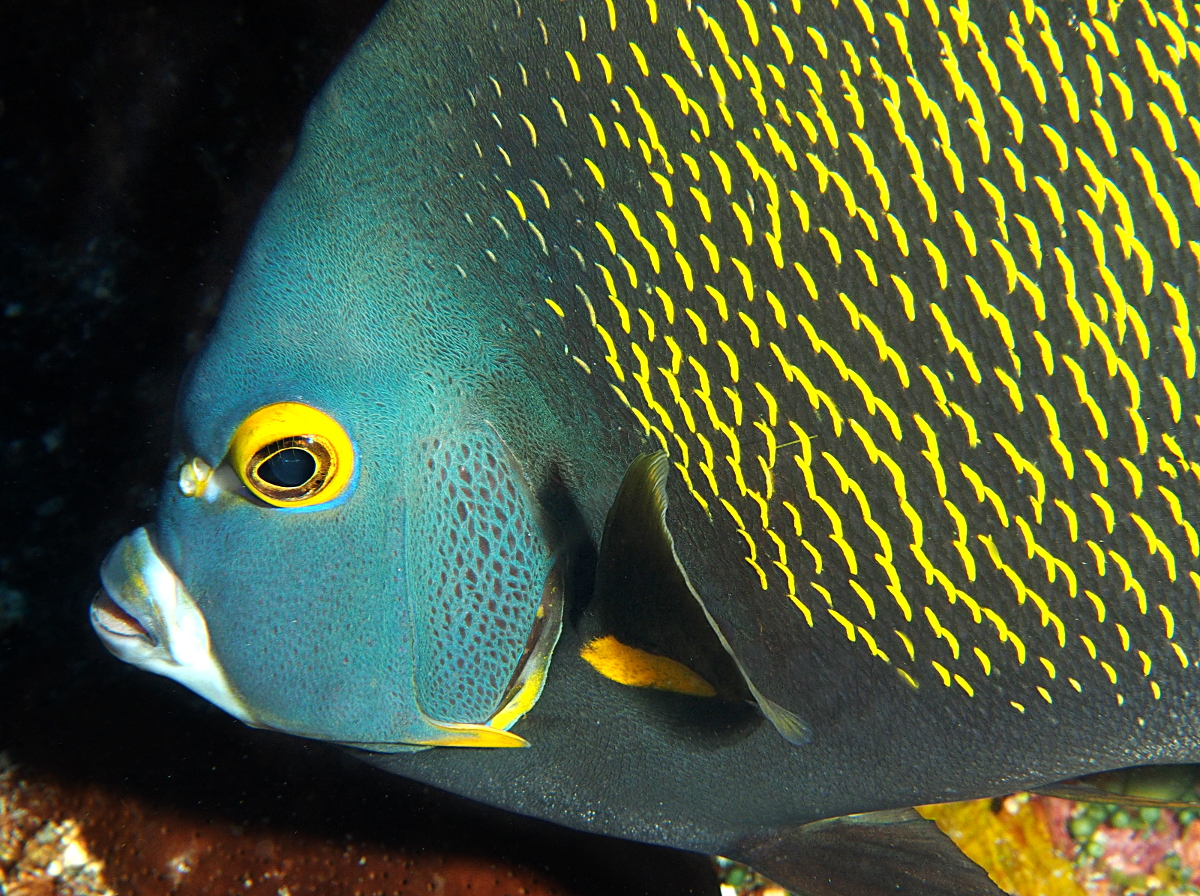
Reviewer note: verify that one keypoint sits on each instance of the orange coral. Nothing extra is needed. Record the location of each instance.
(1012, 842)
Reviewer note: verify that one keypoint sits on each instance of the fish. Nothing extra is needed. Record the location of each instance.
(718, 424)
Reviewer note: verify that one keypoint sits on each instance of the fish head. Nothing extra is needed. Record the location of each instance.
(345, 548)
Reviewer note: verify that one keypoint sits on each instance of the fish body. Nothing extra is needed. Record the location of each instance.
(877, 320)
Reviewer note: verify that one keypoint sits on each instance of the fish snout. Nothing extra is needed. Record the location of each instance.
(124, 612)
(145, 616)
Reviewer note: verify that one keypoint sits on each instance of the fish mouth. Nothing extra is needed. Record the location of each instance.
(117, 622)
(146, 617)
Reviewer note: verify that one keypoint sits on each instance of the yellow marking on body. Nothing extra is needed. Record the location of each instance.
(1035, 248)
(598, 175)
(1147, 663)
(777, 307)
(846, 623)
(931, 453)
(939, 393)
(1047, 352)
(574, 64)
(665, 185)
(611, 355)
(1164, 126)
(669, 311)
(669, 228)
(649, 322)
(1014, 116)
(1168, 620)
(930, 200)
(1052, 198)
(1109, 671)
(1070, 97)
(601, 136)
(906, 296)
(953, 344)
(939, 262)
(967, 231)
(824, 592)
(1010, 265)
(744, 220)
(1106, 34)
(640, 58)
(751, 327)
(801, 606)
(723, 171)
(1010, 385)
(1154, 544)
(702, 202)
(1018, 645)
(942, 672)
(801, 209)
(516, 200)
(612, 15)
(541, 192)
(866, 598)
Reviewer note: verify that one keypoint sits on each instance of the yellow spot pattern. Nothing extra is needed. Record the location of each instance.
(907, 298)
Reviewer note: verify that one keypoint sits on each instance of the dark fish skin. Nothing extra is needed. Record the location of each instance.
(928, 483)
(907, 293)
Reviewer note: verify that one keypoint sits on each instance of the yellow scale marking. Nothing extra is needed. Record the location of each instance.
(820, 116)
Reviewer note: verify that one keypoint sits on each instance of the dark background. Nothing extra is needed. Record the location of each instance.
(137, 142)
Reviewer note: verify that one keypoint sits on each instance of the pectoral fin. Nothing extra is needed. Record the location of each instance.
(873, 854)
(654, 629)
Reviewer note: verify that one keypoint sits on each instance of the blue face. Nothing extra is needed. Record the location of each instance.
(346, 548)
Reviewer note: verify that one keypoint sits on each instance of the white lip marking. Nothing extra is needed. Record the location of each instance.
(176, 642)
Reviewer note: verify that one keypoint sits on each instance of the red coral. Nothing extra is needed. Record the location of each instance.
(1133, 852)
(1056, 813)
(1188, 850)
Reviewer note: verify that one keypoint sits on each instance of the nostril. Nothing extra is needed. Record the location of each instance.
(112, 617)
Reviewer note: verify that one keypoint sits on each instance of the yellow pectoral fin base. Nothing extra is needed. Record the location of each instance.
(453, 734)
(641, 669)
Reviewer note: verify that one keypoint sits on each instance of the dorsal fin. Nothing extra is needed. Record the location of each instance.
(646, 603)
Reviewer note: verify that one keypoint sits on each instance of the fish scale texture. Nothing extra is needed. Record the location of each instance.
(477, 566)
(908, 292)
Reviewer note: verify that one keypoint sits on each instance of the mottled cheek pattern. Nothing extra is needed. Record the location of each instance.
(477, 562)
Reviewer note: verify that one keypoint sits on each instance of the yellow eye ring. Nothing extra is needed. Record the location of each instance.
(291, 455)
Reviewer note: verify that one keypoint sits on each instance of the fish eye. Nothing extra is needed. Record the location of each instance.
(289, 466)
(291, 455)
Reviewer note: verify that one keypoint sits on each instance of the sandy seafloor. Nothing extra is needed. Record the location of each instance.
(137, 141)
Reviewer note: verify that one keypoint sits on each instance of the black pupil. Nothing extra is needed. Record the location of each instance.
(288, 468)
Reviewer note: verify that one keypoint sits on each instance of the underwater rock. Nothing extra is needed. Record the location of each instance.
(56, 840)
(38, 856)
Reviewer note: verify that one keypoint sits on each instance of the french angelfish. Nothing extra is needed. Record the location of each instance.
(772, 414)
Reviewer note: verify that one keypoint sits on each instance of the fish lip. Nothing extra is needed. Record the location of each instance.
(146, 617)
(126, 612)
(119, 621)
